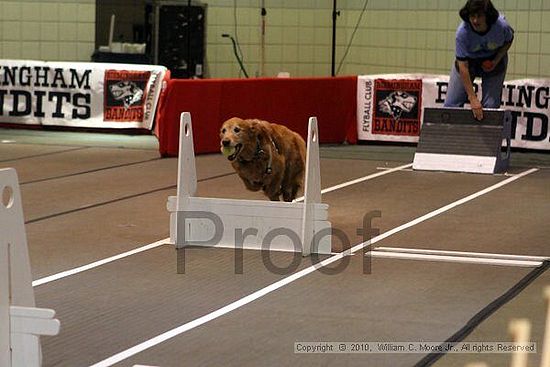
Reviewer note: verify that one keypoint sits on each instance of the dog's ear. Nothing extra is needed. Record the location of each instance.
(260, 132)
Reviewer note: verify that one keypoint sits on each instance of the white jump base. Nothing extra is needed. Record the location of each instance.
(454, 163)
(248, 224)
(21, 323)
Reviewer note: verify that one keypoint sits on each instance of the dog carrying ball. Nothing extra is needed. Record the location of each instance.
(227, 151)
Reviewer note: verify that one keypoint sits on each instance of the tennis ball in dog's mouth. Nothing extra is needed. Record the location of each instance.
(227, 151)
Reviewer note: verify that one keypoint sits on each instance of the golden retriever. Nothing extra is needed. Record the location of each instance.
(266, 156)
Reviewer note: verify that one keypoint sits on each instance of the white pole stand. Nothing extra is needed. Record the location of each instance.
(520, 330)
(249, 224)
(21, 323)
(545, 358)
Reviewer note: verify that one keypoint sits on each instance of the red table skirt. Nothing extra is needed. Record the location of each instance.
(287, 101)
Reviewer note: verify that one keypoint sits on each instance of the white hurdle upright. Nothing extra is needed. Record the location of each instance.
(521, 331)
(21, 323)
(545, 358)
(250, 224)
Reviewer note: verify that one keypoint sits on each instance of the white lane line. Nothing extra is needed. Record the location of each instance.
(213, 315)
(360, 179)
(95, 264)
(446, 208)
(455, 259)
(406, 169)
(411, 170)
(285, 281)
(462, 254)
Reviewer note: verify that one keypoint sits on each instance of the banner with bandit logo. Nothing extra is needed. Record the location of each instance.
(396, 107)
(91, 95)
(390, 107)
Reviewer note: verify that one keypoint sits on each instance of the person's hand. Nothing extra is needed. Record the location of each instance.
(488, 65)
(477, 109)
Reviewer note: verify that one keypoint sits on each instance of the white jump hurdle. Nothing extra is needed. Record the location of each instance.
(21, 323)
(274, 225)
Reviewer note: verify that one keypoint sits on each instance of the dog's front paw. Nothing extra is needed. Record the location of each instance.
(289, 194)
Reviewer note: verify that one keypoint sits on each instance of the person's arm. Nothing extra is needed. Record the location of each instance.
(477, 109)
(499, 55)
(501, 52)
(508, 33)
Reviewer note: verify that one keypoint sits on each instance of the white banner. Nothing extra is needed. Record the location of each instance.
(79, 94)
(390, 107)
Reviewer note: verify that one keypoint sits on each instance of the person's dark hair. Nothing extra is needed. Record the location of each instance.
(479, 6)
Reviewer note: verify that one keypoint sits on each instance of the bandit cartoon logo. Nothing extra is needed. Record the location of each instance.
(398, 104)
(125, 93)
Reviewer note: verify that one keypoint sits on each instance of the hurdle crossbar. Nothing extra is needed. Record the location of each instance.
(250, 224)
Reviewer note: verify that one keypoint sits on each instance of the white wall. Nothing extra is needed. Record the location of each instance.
(394, 36)
(47, 30)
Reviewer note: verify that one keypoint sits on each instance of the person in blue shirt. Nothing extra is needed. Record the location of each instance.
(482, 42)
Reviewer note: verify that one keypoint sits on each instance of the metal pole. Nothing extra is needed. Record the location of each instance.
(334, 15)
(262, 40)
(189, 61)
